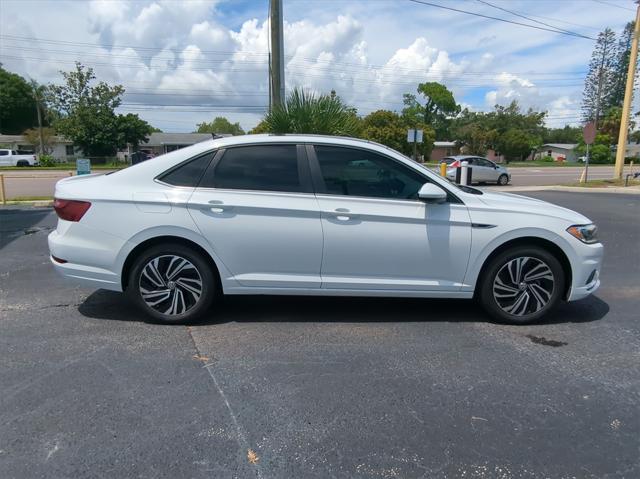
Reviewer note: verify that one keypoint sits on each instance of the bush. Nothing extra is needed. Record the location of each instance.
(47, 160)
(547, 159)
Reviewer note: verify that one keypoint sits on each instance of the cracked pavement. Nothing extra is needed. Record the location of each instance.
(278, 387)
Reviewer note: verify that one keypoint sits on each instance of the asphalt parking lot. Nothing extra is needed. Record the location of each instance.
(318, 387)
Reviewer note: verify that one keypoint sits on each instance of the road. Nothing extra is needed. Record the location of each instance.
(311, 387)
(29, 183)
(556, 175)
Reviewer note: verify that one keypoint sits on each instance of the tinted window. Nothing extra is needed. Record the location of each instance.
(188, 174)
(483, 162)
(260, 167)
(354, 172)
(4, 152)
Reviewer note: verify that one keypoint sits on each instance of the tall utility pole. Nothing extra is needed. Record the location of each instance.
(276, 66)
(628, 96)
(36, 90)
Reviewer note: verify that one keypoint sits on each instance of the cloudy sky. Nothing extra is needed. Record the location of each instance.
(187, 61)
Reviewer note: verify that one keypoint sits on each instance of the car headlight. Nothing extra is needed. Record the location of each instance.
(585, 233)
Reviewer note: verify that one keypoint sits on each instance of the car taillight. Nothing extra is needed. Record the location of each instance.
(70, 210)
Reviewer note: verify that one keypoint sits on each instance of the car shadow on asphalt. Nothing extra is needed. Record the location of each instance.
(109, 305)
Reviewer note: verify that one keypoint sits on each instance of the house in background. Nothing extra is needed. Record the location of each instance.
(557, 151)
(61, 148)
(442, 149)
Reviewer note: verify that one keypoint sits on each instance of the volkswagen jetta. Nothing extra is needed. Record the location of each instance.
(314, 215)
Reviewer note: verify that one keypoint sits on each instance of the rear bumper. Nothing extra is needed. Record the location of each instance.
(90, 257)
(88, 276)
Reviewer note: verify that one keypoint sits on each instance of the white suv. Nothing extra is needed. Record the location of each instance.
(314, 215)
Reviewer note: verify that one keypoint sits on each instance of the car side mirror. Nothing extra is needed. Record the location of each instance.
(430, 193)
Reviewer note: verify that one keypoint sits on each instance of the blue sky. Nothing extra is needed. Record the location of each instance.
(183, 62)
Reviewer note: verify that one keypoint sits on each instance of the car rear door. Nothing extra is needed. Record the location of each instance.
(377, 234)
(255, 206)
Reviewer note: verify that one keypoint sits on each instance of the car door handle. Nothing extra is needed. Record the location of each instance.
(217, 206)
(342, 214)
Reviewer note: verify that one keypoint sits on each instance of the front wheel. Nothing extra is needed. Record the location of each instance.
(503, 179)
(522, 284)
(172, 284)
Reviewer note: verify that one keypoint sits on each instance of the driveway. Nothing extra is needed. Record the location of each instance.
(318, 387)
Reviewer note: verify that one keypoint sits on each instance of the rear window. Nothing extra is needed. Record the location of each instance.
(189, 173)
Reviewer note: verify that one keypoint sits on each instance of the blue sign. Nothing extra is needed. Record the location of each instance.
(83, 166)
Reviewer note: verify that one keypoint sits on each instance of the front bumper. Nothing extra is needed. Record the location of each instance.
(586, 272)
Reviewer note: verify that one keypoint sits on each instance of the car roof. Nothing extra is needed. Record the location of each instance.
(168, 160)
(463, 157)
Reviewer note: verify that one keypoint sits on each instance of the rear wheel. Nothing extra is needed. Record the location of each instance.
(522, 284)
(22, 163)
(172, 284)
(503, 179)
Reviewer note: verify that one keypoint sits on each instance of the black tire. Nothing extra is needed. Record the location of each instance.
(537, 296)
(182, 304)
(22, 163)
(503, 179)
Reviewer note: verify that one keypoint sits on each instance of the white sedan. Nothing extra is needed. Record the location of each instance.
(314, 215)
(482, 170)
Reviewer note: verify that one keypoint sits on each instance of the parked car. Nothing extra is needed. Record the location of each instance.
(314, 215)
(484, 171)
(12, 158)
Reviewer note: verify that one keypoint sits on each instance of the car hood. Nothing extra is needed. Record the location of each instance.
(526, 205)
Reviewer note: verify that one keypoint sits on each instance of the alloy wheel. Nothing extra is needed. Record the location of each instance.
(523, 286)
(170, 284)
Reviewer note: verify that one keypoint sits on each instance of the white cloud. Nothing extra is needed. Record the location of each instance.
(206, 52)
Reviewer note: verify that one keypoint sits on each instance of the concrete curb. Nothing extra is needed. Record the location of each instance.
(629, 190)
(36, 204)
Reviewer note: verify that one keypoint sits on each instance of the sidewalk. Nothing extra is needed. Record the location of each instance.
(629, 190)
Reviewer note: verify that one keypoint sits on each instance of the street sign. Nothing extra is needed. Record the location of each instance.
(83, 166)
(589, 132)
(414, 136)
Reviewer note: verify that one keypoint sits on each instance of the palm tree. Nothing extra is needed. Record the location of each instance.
(305, 112)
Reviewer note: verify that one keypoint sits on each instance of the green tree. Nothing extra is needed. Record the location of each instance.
(305, 112)
(507, 130)
(17, 105)
(474, 131)
(621, 66)
(600, 80)
(517, 143)
(390, 129)
(132, 130)
(439, 105)
(32, 137)
(220, 125)
(385, 127)
(600, 151)
(567, 134)
(85, 113)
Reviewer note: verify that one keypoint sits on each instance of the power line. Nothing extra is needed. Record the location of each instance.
(525, 17)
(613, 5)
(394, 68)
(466, 12)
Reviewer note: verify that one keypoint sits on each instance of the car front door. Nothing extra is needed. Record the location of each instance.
(377, 234)
(256, 207)
(483, 170)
